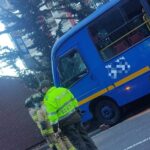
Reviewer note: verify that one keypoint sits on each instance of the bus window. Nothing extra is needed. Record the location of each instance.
(119, 29)
(136, 24)
(101, 29)
(71, 68)
(131, 12)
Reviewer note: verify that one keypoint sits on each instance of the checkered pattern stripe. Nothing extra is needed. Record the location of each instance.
(120, 66)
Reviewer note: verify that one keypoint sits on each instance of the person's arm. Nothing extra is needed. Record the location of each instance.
(41, 119)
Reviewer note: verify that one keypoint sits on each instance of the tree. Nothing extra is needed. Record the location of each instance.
(9, 58)
(78, 8)
(29, 18)
(33, 23)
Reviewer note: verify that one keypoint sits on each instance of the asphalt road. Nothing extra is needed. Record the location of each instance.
(131, 134)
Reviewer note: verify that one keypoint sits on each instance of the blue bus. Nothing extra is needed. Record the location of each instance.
(105, 59)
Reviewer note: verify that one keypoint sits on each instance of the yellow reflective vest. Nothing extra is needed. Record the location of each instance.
(59, 104)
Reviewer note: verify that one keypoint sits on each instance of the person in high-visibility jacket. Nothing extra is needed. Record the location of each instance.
(39, 115)
(63, 112)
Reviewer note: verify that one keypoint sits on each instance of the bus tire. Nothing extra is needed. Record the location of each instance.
(107, 112)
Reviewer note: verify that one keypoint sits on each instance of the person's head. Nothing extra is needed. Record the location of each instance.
(44, 86)
(37, 99)
(34, 101)
(29, 103)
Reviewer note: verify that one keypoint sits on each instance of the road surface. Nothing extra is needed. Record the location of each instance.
(131, 134)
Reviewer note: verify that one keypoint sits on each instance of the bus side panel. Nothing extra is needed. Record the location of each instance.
(86, 113)
(133, 62)
(98, 77)
(131, 91)
(123, 96)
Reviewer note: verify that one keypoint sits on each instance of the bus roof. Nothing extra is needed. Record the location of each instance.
(83, 23)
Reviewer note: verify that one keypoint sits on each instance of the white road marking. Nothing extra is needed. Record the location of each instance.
(138, 143)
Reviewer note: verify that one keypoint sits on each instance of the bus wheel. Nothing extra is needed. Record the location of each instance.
(107, 112)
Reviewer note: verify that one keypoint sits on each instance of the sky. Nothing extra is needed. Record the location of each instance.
(5, 40)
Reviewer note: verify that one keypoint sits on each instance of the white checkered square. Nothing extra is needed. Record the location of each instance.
(120, 66)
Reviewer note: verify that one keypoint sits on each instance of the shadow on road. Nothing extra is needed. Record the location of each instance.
(137, 107)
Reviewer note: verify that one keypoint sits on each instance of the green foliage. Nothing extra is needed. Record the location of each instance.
(78, 8)
(30, 79)
(28, 18)
(8, 56)
(33, 23)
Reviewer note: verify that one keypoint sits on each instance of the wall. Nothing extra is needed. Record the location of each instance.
(17, 131)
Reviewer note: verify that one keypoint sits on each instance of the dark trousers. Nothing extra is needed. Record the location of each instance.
(78, 136)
